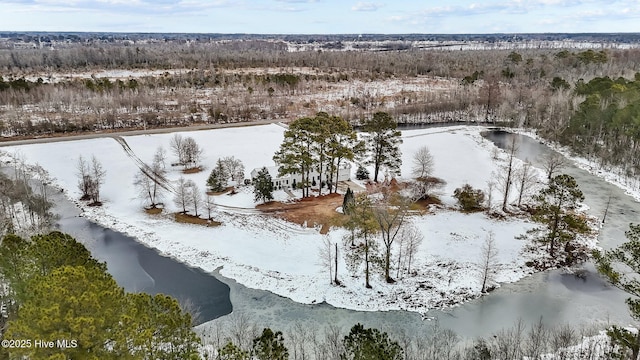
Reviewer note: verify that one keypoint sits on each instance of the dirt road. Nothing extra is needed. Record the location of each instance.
(102, 134)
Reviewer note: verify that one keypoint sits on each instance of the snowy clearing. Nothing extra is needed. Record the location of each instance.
(264, 252)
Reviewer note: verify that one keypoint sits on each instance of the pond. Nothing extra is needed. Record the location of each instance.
(559, 298)
(138, 268)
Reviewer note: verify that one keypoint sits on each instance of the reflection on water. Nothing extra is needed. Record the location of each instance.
(140, 269)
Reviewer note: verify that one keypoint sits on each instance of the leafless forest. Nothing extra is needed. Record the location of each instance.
(110, 86)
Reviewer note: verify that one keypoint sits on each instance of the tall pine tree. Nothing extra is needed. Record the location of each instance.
(383, 144)
(263, 186)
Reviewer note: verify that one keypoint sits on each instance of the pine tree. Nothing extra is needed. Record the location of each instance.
(470, 199)
(270, 346)
(263, 186)
(73, 302)
(295, 155)
(348, 201)
(383, 143)
(363, 228)
(370, 344)
(158, 328)
(217, 180)
(231, 352)
(362, 173)
(608, 264)
(555, 209)
(65, 294)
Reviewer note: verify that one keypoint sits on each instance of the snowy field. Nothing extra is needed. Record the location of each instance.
(263, 252)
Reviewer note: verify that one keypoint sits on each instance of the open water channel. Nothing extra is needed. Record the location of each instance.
(557, 297)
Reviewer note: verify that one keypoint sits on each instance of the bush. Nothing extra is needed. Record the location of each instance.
(470, 199)
(362, 173)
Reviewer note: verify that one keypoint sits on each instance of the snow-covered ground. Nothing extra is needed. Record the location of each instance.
(267, 253)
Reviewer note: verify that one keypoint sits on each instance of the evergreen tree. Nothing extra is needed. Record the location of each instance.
(23, 260)
(470, 199)
(319, 144)
(608, 264)
(370, 344)
(65, 294)
(158, 328)
(231, 352)
(270, 346)
(348, 201)
(555, 209)
(296, 151)
(263, 186)
(343, 145)
(76, 303)
(217, 180)
(363, 226)
(383, 143)
(362, 173)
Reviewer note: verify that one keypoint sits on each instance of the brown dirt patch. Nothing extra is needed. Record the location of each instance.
(423, 204)
(194, 170)
(231, 190)
(317, 210)
(190, 219)
(153, 211)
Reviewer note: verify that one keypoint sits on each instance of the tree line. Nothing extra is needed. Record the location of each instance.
(237, 338)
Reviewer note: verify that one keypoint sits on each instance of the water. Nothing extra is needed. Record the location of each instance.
(138, 268)
(557, 297)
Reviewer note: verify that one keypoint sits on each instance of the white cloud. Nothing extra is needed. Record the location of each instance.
(366, 6)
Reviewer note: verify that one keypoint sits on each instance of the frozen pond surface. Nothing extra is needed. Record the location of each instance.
(557, 297)
(138, 268)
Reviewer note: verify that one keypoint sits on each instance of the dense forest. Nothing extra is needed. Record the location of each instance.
(587, 100)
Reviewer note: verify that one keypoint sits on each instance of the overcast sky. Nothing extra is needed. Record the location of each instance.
(321, 16)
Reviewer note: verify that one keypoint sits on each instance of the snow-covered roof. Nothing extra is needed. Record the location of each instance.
(273, 172)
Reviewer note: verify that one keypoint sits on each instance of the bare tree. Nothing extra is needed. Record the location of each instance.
(84, 178)
(192, 152)
(526, 180)
(300, 335)
(333, 345)
(506, 177)
(490, 96)
(187, 305)
(176, 145)
(241, 330)
(97, 179)
(182, 195)
(537, 340)
(488, 261)
(491, 184)
(423, 187)
(409, 241)
(553, 162)
(160, 157)
(144, 184)
(390, 214)
(234, 168)
(195, 197)
(335, 264)
(325, 254)
(507, 344)
(147, 183)
(413, 240)
(209, 205)
(422, 163)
